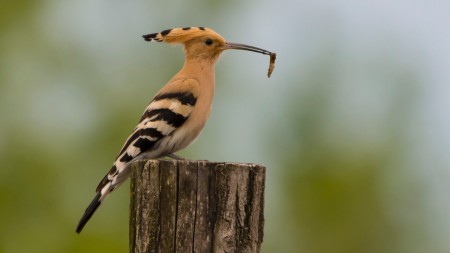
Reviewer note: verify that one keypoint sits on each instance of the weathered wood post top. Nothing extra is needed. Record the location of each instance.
(196, 206)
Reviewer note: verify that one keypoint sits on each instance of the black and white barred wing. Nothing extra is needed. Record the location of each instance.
(167, 112)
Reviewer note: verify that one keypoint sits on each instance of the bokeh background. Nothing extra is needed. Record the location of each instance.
(353, 126)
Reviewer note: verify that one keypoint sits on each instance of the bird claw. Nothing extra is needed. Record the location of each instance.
(175, 157)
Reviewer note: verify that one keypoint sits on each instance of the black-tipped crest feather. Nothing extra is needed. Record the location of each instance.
(180, 35)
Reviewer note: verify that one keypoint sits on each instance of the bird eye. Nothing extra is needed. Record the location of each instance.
(208, 42)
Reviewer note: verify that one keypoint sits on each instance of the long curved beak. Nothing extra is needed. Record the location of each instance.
(230, 45)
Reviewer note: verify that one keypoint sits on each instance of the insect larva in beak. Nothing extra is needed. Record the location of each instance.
(273, 57)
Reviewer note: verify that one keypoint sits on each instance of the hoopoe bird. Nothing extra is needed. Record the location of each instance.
(177, 114)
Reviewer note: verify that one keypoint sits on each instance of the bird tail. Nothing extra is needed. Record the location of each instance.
(90, 210)
(103, 189)
(109, 182)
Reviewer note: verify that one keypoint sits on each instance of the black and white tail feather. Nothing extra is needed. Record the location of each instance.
(155, 136)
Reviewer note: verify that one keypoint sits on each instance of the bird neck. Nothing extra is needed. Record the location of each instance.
(199, 68)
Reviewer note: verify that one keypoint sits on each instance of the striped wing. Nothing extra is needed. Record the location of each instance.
(166, 112)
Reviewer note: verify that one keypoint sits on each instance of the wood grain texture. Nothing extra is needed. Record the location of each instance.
(196, 206)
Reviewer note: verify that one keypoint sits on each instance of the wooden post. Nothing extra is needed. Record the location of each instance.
(196, 206)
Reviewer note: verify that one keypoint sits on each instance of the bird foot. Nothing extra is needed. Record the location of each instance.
(175, 157)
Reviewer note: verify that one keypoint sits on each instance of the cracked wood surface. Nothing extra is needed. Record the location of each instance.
(196, 206)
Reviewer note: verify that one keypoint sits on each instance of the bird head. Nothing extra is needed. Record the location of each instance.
(199, 42)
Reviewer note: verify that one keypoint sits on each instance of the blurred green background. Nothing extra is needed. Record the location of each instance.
(352, 126)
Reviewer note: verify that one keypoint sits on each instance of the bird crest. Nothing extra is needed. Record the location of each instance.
(182, 35)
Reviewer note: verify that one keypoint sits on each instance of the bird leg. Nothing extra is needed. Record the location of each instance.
(173, 156)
